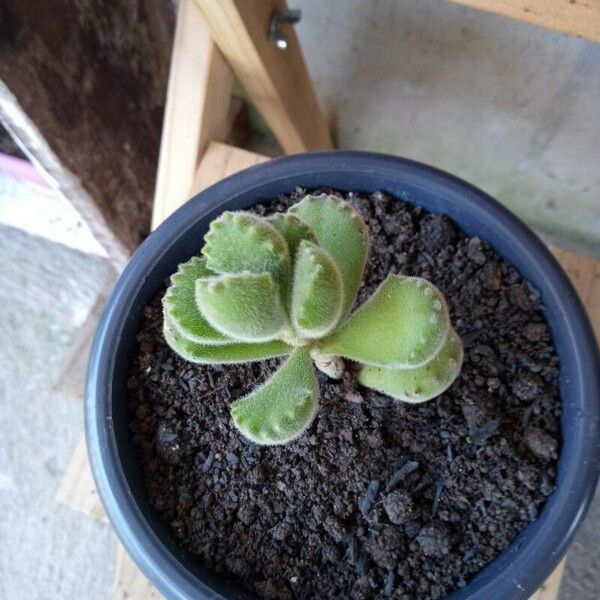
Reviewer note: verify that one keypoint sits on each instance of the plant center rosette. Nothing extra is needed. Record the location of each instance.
(285, 286)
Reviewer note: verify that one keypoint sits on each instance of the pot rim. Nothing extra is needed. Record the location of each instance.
(519, 570)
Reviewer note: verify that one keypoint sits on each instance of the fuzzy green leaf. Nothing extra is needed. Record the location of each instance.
(180, 304)
(236, 352)
(341, 231)
(403, 324)
(237, 242)
(420, 384)
(317, 292)
(246, 307)
(283, 407)
(293, 229)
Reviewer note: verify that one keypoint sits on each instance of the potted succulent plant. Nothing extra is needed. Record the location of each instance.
(414, 478)
(285, 285)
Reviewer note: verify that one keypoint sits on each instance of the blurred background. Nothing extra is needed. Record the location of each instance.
(510, 107)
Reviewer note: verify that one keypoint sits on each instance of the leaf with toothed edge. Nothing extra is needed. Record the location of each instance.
(317, 292)
(420, 384)
(403, 324)
(340, 231)
(283, 408)
(237, 242)
(246, 307)
(180, 304)
(285, 285)
(236, 352)
(293, 229)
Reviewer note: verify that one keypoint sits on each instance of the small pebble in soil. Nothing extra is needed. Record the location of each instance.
(379, 499)
(398, 507)
(543, 445)
(435, 539)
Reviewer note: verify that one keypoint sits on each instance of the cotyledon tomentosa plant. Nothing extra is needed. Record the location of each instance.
(285, 285)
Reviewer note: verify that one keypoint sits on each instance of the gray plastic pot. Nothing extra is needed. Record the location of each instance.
(520, 569)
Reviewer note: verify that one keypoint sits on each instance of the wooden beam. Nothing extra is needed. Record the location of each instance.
(130, 583)
(92, 81)
(220, 161)
(584, 273)
(276, 81)
(196, 112)
(77, 489)
(580, 18)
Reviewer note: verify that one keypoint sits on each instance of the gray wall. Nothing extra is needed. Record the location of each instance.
(510, 107)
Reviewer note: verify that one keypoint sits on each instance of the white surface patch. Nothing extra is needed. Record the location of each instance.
(44, 211)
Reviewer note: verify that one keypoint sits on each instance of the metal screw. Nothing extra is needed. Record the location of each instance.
(279, 18)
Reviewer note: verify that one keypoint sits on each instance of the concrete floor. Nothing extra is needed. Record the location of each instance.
(49, 552)
(511, 108)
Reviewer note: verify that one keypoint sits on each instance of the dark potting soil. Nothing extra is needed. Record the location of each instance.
(379, 499)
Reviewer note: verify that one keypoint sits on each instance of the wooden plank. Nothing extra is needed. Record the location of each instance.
(277, 81)
(220, 161)
(196, 112)
(77, 489)
(130, 583)
(584, 273)
(92, 84)
(580, 18)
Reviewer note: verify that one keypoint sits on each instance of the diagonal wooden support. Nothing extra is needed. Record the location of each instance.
(276, 81)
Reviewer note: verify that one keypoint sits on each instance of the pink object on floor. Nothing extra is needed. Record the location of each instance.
(23, 170)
